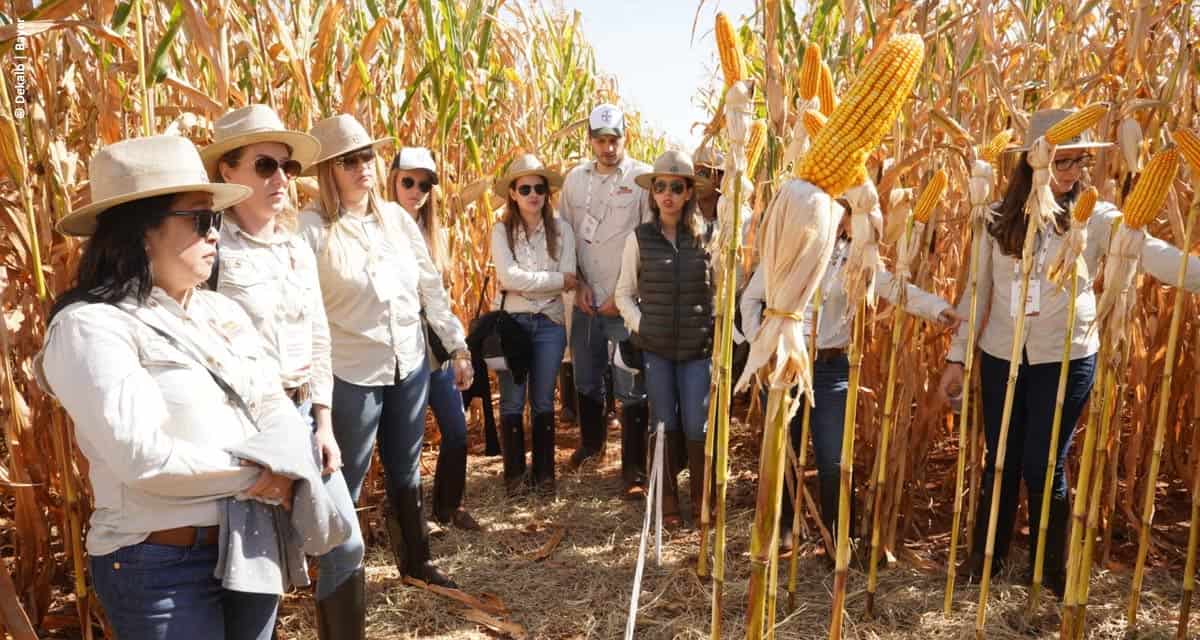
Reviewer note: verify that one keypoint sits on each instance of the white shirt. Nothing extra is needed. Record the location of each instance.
(149, 417)
(275, 280)
(1045, 332)
(530, 278)
(618, 205)
(376, 278)
(835, 329)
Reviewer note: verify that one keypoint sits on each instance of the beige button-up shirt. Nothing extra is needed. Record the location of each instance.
(275, 280)
(151, 420)
(618, 206)
(1045, 332)
(376, 277)
(834, 332)
(532, 280)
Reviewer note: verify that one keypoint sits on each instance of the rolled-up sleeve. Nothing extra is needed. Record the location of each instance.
(434, 299)
(627, 285)
(919, 302)
(93, 368)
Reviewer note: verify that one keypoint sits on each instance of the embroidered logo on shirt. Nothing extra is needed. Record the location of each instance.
(624, 191)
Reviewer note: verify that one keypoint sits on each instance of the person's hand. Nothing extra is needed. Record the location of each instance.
(951, 384)
(464, 372)
(609, 308)
(270, 487)
(949, 319)
(569, 281)
(331, 454)
(583, 297)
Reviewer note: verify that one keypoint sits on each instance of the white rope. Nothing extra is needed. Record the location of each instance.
(653, 511)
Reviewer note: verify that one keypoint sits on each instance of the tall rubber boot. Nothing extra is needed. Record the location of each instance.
(695, 462)
(343, 615)
(514, 453)
(566, 390)
(591, 431)
(670, 496)
(449, 485)
(543, 453)
(415, 532)
(633, 449)
(1054, 569)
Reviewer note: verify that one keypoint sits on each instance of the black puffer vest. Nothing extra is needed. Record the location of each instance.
(675, 295)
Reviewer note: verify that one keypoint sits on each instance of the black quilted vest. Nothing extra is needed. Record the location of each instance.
(675, 295)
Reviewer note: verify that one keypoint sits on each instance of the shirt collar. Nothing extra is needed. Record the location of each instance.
(621, 168)
(277, 235)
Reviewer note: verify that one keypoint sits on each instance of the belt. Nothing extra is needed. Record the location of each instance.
(828, 355)
(185, 536)
(299, 394)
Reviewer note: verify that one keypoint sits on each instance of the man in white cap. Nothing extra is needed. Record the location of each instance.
(603, 205)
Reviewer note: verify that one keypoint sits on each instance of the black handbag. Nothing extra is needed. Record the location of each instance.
(502, 335)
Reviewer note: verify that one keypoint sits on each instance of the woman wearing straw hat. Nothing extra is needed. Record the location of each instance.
(665, 296)
(161, 379)
(376, 280)
(272, 273)
(534, 253)
(409, 183)
(1045, 330)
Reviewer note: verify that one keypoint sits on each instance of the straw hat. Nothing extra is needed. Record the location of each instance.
(673, 164)
(708, 156)
(339, 135)
(1041, 121)
(412, 158)
(525, 165)
(142, 168)
(253, 124)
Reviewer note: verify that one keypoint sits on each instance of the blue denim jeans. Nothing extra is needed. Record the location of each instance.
(447, 404)
(590, 335)
(163, 592)
(678, 389)
(328, 580)
(549, 340)
(394, 413)
(831, 384)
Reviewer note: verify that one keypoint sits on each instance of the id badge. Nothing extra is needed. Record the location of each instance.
(587, 230)
(1033, 301)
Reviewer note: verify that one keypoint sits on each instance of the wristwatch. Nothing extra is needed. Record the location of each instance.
(461, 354)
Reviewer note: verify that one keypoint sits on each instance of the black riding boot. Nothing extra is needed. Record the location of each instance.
(343, 615)
(543, 453)
(513, 427)
(592, 425)
(633, 448)
(449, 485)
(1054, 570)
(415, 534)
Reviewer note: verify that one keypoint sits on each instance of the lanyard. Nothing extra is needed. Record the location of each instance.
(612, 190)
(1042, 249)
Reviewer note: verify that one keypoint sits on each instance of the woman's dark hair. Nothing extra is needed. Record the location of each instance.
(512, 218)
(114, 264)
(1010, 225)
(690, 220)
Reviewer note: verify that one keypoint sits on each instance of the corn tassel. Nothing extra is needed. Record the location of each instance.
(1129, 140)
(814, 121)
(810, 72)
(755, 146)
(930, 196)
(1150, 193)
(837, 160)
(991, 151)
(733, 65)
(826, 92)
(1071, 126)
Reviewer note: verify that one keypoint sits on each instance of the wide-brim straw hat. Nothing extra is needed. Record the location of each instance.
(251, 125)
(673, 164)
(339, 135)
(143, 168)
(526, 165)
(1041, 121)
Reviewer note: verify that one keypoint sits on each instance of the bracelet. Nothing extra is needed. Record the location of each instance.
(462, 354)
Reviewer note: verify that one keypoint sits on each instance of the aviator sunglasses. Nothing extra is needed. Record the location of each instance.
(202, 219)
(539, 189)
(266, 166)
(677, 187)
(352, 160)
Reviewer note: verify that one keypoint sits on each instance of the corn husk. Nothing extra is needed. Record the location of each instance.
(866, 229)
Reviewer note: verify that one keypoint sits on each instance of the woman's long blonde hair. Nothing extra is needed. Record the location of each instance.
(429, 222)
(329, 206)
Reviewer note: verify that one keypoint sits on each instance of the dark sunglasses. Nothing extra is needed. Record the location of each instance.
(202, 219)
(710, 173)
(1066, 164)
(539, 189)
(407, 183)
(351, 160)
(266, 166)
(677, 186)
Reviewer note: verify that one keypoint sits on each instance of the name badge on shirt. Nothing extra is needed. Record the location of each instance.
(587, 230)
(1033, 301)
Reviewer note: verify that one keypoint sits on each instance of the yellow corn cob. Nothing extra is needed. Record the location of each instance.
(810, 72)
(991, 151)
(825, 91)
(1085, 204)
(930, 196)
(814, 121)
(1076, 123)
(755, 146)
(1189, 146)
(1150, 192)
(837, 159)
(732, 63)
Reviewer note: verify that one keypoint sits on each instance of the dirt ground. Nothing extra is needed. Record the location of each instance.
(582, 589)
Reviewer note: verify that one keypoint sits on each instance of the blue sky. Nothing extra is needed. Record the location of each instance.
(648, 47)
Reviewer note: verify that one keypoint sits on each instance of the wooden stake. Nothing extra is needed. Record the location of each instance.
(766, 512)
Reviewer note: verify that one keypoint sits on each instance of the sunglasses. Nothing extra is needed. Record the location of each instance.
(350, 161)
(407, 183)
(266, 166)
(203, 220)
(677, 187)
(710, 173)
(1066, 164)
(539, 189)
